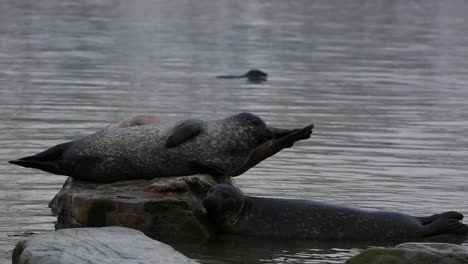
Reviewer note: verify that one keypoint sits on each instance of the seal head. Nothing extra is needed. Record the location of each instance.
(224, 204)
(251, 125)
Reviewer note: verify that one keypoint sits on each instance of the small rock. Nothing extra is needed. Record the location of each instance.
(414, 253)
(106, 245)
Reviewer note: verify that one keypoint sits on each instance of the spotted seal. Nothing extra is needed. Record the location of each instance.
(283, 138)
(192, 146)
(233, 212)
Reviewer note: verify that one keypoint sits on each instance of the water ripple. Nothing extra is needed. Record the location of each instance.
(383, 82)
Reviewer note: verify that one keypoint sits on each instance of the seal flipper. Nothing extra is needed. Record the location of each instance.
(292, 135)
(185, 131)
(449, 214)
(282, 138)
(47, 160)
(281, 132)
(444, 225)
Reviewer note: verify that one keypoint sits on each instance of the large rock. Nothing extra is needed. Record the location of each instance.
(414, 253)
(163, 208)
(106, 245)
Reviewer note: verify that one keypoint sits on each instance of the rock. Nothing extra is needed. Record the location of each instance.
(414, 253)
(163, 208)
(106, 245)
(436, 248)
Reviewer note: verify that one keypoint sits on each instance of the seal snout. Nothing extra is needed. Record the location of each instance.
(213, 199)
(211, 204)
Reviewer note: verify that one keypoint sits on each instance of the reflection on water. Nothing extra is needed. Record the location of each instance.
(383, 81)
(231, 249)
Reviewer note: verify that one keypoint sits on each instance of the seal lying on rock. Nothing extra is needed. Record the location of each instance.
(283, 138)
(233, 212)
(145, 152)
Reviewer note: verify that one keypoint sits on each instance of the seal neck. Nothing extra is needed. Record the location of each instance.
(246, 207)
(243, 212)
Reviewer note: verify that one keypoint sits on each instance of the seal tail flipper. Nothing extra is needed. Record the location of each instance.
(444, 225)
(41, 165)
(449, 214)
(47, 160)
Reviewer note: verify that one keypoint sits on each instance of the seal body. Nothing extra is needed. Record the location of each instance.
(236, 213)
(149, 151)
(282, 138)
(253, 75)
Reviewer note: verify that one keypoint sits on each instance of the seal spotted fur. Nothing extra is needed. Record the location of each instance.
(148, 151)
(283, 138)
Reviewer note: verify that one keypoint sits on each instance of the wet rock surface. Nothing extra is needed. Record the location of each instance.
(414, 253)
(106, 245)
(163, 208)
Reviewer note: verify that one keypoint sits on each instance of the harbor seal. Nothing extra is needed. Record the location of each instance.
(253, 75)
(283, 138)
(233, 212)
(145, 152)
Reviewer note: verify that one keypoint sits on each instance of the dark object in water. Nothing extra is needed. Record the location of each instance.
(253, 75)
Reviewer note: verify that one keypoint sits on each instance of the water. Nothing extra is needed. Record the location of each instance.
(384, 82)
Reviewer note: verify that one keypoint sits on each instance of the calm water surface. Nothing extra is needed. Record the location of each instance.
(385, 83)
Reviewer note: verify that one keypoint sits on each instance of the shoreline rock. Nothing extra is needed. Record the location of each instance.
(105, 245)
(163, 208)
(414, 253)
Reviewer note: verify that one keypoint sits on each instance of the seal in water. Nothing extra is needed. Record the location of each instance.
(253, 75)
(145, 152)
(233, 212)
